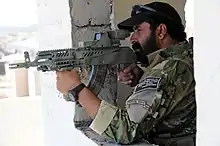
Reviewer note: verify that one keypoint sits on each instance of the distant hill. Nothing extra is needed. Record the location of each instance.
(5, 30)
(14, 42)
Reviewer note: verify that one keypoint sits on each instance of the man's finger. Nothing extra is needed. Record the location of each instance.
(127, 69)
(130, 68)
(124, 75)
(125, 78)
(127, 82)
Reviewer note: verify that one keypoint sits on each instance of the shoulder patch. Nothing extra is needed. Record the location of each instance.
(149, 82)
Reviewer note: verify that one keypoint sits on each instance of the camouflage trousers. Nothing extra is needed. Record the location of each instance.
(83, 126)
(102, 141)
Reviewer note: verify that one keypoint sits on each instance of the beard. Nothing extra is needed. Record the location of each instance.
(142, 50)
(150, 44)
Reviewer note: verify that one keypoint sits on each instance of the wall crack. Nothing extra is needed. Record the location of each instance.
(91, 25)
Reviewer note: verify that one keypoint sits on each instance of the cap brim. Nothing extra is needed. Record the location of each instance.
(129, 23)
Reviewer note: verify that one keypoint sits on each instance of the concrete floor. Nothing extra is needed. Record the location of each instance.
(21, 122)
(31, 122)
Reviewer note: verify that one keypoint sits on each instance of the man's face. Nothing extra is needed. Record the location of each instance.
(145, 37)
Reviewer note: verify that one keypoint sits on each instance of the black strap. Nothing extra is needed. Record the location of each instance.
(75, 91)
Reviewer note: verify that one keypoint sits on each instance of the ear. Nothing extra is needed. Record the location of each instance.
(161, 31)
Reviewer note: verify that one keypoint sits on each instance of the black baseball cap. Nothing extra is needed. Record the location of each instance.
(141, 13)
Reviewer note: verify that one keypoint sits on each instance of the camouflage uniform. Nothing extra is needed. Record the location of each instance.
(162, 108)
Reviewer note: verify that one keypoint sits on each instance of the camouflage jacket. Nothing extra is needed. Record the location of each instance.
(162, 106)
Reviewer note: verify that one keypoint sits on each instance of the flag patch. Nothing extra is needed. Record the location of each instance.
(148, 83)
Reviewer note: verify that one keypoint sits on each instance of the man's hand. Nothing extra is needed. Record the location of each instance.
(67, 80)
(130, 75)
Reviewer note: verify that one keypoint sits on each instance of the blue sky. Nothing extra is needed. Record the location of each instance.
(18, 12)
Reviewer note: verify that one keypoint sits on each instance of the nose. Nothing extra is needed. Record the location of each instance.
(133, 38)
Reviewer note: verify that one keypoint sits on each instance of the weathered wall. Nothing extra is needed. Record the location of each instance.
(86, 24)
(189, 16)
(86, 20)
(55, 32)
(96, 16)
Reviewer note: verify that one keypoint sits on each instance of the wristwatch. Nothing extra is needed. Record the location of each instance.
(73, 93)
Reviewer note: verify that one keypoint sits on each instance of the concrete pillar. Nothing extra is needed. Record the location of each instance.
(54, 33)
(84, 26)
(2, 68)
(96, 16)
(17, 77)
(189, 15)
(20, 82)
(207, 69)
(34, 81)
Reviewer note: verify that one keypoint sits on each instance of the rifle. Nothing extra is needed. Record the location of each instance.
(104, 50)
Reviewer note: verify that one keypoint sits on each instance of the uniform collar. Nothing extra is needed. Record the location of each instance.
(161, 54)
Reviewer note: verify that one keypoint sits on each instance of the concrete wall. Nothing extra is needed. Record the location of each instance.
(207, 69)
(88, 21)
(55, 32)
(189, 16)
(96, 17)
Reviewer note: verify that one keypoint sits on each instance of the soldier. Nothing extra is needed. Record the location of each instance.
(162, 107)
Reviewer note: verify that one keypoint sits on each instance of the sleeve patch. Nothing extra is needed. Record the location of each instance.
(148, 83)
